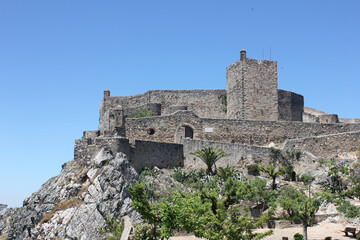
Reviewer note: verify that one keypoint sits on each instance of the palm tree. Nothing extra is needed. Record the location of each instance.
(273, 173)
(209, 156)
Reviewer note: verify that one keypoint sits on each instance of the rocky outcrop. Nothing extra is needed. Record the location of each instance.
(75, 203)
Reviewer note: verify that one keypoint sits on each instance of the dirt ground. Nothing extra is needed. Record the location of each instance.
(318, 232)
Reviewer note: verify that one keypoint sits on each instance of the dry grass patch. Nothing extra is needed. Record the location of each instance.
(72, 202)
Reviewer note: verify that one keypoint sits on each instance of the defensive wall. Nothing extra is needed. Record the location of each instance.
(238, 155)
(140, 154)
(166, 129)
(326, 146)
(205, 103)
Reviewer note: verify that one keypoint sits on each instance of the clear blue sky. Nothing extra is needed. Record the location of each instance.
(57, 57)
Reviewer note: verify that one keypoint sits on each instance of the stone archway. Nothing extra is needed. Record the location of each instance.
(184, 131)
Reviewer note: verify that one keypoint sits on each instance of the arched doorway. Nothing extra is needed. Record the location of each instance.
(184, 131)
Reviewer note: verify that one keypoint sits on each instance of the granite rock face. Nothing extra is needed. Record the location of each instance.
(75, 203)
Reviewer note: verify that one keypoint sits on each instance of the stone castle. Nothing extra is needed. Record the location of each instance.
(162, 127)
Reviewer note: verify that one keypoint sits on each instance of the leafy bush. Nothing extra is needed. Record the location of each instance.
(298, 236)
(348, 209)
(328, 238)
(112, 229)
(253, 169)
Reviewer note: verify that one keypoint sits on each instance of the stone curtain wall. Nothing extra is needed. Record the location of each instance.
(140, 154)
(291, 106)
(229, 130)
(205, 103)
(162, 155)
(239, 155)
(327, 146)
(252, 90)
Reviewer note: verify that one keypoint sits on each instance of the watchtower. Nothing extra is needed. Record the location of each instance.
(252, 92)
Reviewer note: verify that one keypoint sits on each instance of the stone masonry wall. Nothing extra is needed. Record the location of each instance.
(140, 153)
(205, 103)
(291, 106)
(162, 155)
(326, 146)
(252, 90)
(155, 109)
(228, 130)
(239, 155)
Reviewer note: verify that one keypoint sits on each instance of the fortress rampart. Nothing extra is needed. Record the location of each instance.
(162, 127)
(228, 130)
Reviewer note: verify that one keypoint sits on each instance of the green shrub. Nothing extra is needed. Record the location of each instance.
(253, 169)
(298, 236)
(112, 228)
(328, 238)
(288, 172)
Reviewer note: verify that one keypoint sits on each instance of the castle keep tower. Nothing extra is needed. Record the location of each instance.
(252, 89)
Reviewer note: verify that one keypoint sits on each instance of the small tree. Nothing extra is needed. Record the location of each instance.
(273, 173)
(299, 206)
(210, 156)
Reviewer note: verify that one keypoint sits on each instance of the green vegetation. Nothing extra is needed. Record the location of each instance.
(210, 156)
(253, 170)
(298, 206)
(273, 173)
(182, 176)
(222, 204)
(143, 112)
(298, 236)
(213, 209)
(112, 229)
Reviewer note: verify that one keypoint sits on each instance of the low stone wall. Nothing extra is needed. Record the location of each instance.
(87, 148)
(350, 120)
(327, 146)
(165, 128)
(239, 155)
(141, 154)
